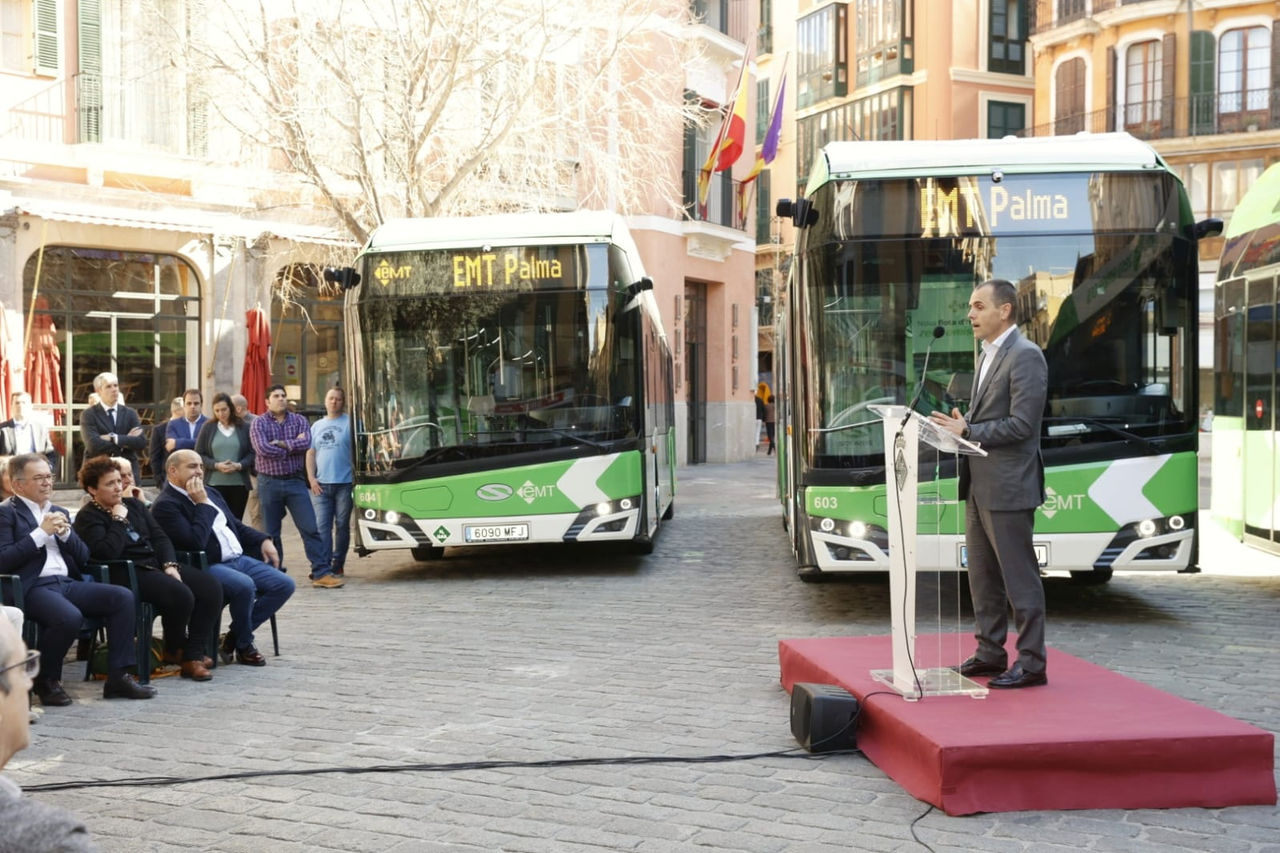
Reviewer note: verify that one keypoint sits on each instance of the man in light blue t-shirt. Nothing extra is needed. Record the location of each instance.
(330, 476)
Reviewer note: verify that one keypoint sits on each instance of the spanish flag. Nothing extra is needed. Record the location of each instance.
(732, 136)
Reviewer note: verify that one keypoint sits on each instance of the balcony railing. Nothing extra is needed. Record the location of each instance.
(725, 16)
(40, 118)
(1048, 14)
(722, 201)
(1199, 115)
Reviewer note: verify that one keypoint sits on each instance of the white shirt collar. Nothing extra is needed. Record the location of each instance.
(36, 510)
(996, 344)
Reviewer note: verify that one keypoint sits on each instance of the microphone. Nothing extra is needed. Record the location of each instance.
(938, 332)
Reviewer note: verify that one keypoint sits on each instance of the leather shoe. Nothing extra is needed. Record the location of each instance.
(975, 667)
(51, 693)
(196, 670)
(125, 686)
(250, 656)
(1018, 677)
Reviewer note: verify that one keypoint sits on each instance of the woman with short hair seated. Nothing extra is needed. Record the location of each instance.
(187, 600)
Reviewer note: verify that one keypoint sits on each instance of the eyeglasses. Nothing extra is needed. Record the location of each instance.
(30, 664)
(39, 478)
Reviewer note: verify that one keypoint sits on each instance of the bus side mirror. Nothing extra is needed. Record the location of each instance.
(637, 287)
(1208, 228)
(344, 277)
(801, 211)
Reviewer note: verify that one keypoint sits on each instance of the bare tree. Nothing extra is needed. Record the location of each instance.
(393, 108)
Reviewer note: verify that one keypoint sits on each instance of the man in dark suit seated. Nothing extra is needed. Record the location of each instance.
(197, 518)
(20, 434)
(109, 427)
(38, 544)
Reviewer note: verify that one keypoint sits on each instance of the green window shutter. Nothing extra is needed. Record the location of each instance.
(1203, 55)
(47, 46)
(1112, 95)
(89, 78)
(762, 109)
(1169, 52)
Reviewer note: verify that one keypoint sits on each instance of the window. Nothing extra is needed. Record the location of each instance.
(1230, 180)
(764, 39)
(1244, 78)
(762, 110)
(822, 62)
(1007, 45)
(1142, 87)
(884, 40)
(1005, 119)
(764, 209)
(15, 40)
(884, 115)
(1068, 113)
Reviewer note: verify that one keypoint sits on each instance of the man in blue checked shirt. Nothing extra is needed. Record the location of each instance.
(281, 440)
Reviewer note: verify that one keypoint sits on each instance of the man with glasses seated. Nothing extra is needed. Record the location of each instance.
(26, 824)
(38, 544)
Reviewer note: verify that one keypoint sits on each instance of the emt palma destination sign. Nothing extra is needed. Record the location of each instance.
(479, 270)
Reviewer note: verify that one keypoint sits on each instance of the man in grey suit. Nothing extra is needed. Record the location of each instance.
(1003, 489)
(109, 427)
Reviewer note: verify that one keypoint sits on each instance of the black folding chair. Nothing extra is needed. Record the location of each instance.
(200, 560)
(144, 617)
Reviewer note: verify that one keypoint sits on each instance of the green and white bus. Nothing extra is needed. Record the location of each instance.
(510, 382)
(1096, 233)
(1246, 453)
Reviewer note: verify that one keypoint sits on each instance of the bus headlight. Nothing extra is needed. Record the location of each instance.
(826, 525)
(1146, 527)
(625, 503)
(603, 508)
(1177, 522)
(370, 514)
(857, 530)
(392, 517)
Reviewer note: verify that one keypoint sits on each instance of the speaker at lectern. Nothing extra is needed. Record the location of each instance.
(904, 431)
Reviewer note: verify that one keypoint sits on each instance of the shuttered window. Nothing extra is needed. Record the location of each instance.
(1143, 86)
(1068, 86)
(48, 48)
(1202, 65)
(89, 80)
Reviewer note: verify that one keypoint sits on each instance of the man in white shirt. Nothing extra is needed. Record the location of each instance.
(20, 434)
(38, 544)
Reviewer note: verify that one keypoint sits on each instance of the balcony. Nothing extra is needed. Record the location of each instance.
(1050, 14)
(723, 16)
(1199, 115)
(722, 201)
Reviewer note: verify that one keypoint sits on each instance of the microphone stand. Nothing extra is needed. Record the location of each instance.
(938, 332)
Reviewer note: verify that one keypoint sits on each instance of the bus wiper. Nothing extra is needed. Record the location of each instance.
(1077, 424)
(571, 436)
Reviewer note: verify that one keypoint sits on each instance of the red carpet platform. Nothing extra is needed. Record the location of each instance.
(1090, 739)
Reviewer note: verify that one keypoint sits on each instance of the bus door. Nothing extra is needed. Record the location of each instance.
(1259, 453)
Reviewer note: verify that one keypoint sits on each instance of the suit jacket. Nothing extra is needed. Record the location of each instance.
(19, 553)
(190, 525)
(177, 429)
(40, 437)
(108, 539)
(204, 446)
(95, 422)
(157, 454)
(1005, 414)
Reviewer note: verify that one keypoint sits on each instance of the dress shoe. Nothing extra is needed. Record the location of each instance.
(1018, 677)
(250, 656)
(124, 686)
(51, 693)
(227, 651)
(196, 670)
(975, 667)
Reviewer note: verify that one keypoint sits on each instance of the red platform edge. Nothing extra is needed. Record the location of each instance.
(1089, 739)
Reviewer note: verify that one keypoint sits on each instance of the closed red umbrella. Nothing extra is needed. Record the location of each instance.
(257, 361)
(6, 365)
(44, 365)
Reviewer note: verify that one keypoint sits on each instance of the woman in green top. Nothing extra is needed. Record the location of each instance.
(224, 445)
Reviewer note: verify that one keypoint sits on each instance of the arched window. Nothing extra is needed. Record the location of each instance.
(1069, 97)
(1244, 78)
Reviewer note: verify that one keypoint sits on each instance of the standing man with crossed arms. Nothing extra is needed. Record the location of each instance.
(281, 439)
(109, 427)
(1002, 490)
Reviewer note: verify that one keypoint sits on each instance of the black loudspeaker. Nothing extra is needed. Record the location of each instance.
(823, 717)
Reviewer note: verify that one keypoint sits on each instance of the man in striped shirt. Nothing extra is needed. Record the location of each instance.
(281, 439)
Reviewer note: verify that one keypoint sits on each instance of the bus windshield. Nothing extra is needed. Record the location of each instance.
(1112, 311)
(462, 362)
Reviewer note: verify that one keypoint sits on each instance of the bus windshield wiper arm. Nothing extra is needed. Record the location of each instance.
(1103, 425)
(572, 436)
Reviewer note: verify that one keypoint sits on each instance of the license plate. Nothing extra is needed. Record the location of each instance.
(495, 532)
(1042, 555)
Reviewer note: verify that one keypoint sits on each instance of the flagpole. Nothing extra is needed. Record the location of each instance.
(708, 168)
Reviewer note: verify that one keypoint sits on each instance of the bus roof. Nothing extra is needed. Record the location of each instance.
(1081, 152)
(1260, 205)
(526, 229)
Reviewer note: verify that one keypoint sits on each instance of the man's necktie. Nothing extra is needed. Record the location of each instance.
(113, 418)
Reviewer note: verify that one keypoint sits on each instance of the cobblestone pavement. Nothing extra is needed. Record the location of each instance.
(553, 653)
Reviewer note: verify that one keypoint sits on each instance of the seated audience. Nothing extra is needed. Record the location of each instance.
(38, 543)
(118, 528)
(198, 519)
